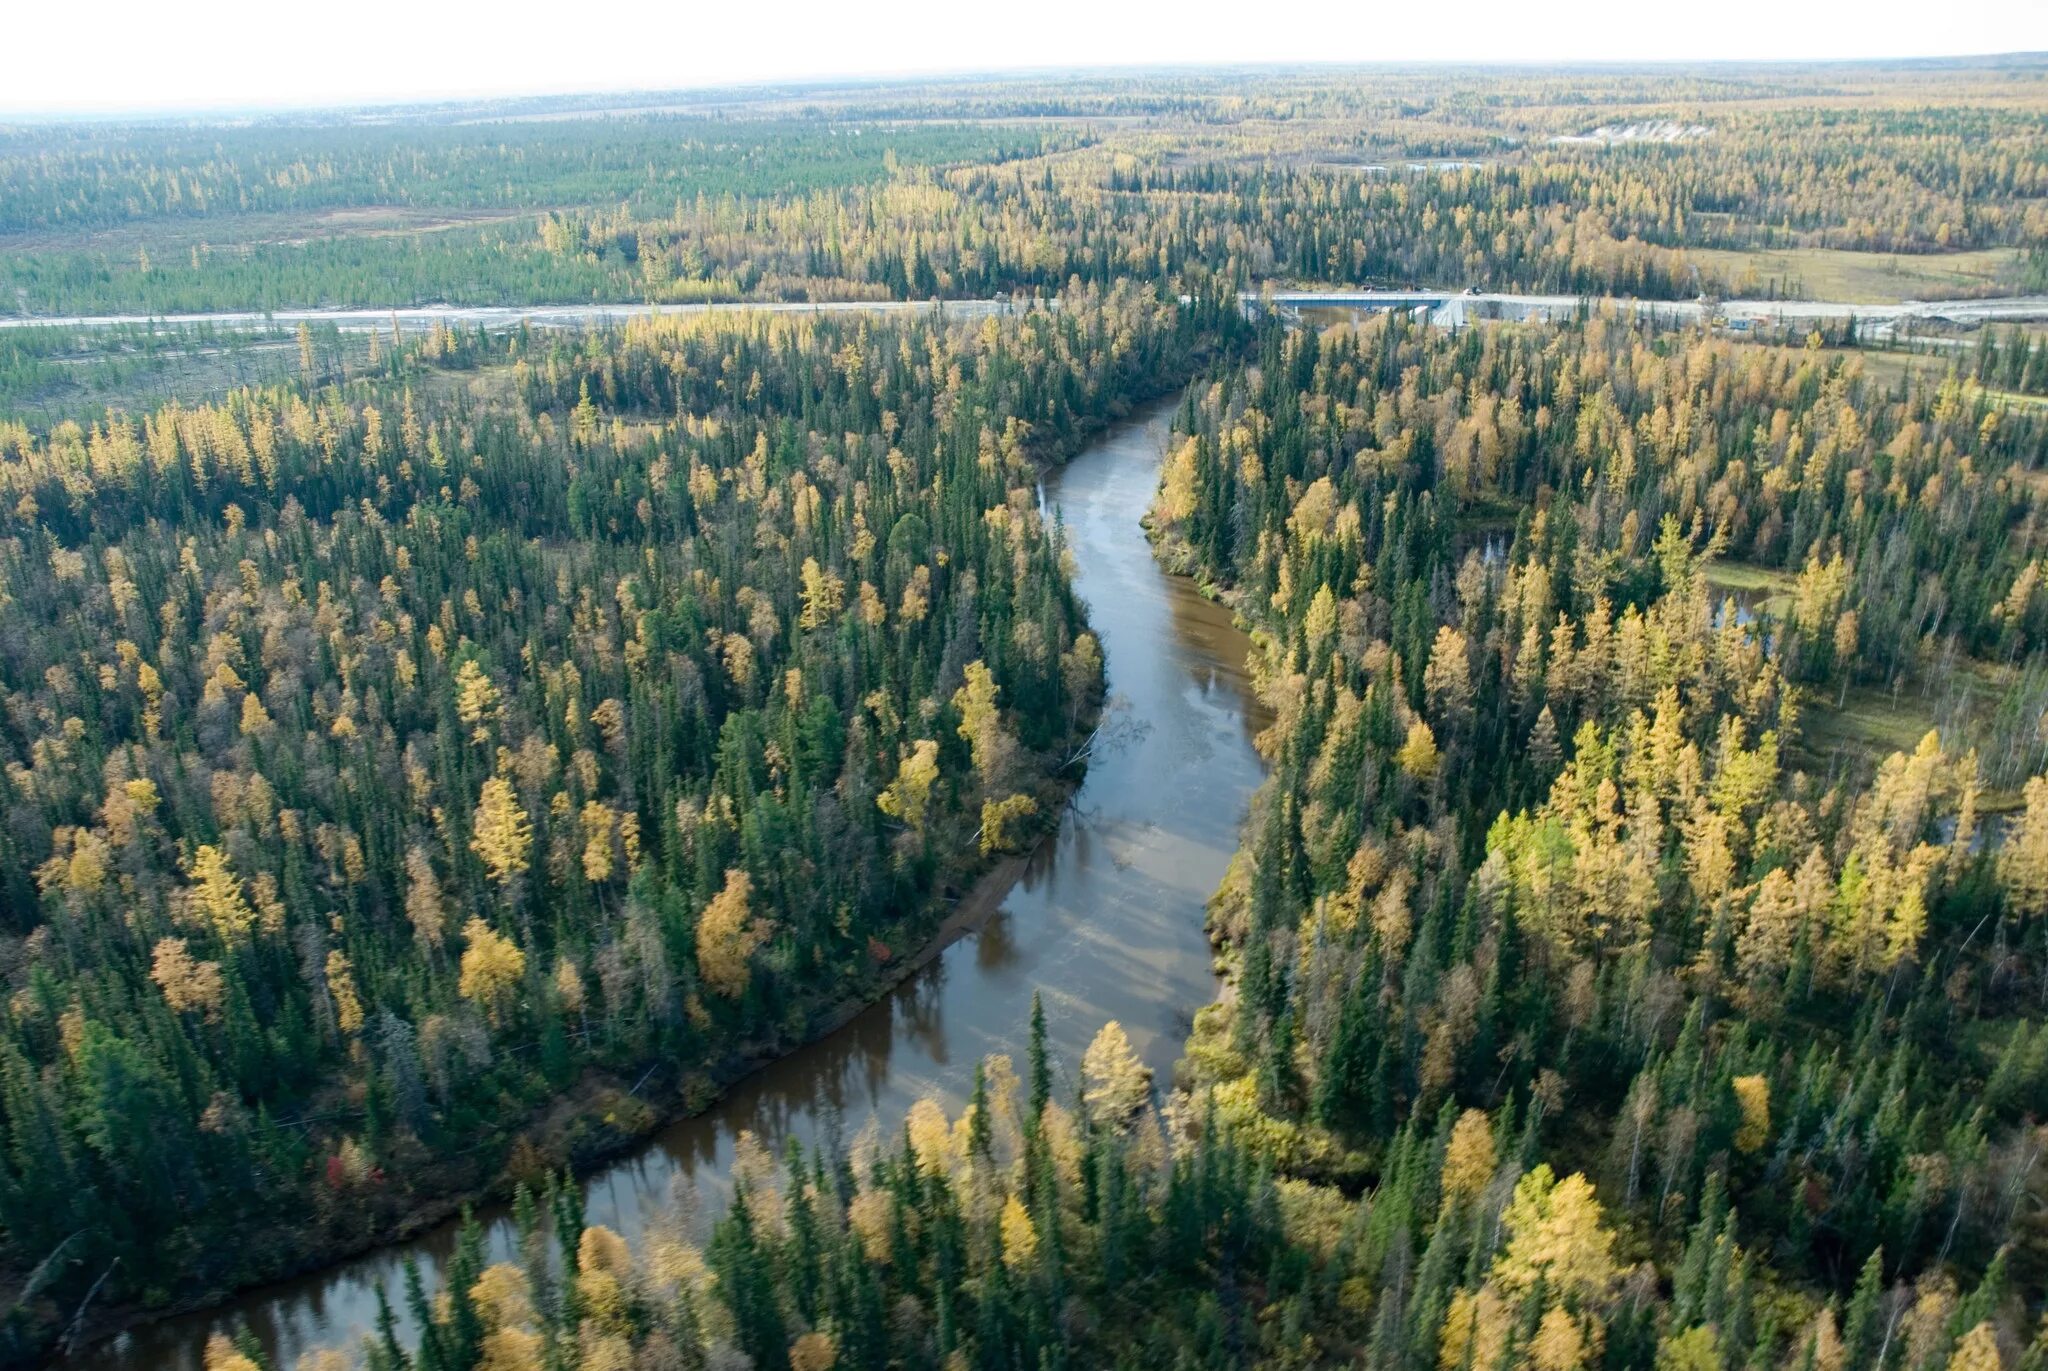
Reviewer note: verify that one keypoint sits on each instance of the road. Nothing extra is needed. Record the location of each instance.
(417, 318)
(1445, 308)
(1450, 308)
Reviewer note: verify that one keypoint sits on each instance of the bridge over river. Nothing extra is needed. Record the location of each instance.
(1454, 309)
(1445, 308)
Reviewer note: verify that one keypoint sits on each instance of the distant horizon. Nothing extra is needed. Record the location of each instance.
(228, 58)
(455, 101)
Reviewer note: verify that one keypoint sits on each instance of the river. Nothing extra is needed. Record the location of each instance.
(1105, 921)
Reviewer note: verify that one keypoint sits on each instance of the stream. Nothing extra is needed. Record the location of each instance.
(1105, 920)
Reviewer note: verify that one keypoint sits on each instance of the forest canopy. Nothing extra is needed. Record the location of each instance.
(439, 748)
(380, 760)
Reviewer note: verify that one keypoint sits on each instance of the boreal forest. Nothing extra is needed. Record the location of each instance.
(516, 617)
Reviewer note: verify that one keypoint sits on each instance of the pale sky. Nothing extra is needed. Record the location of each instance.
(104, 55)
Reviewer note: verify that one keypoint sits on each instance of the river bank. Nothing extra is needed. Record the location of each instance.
(605, 1115)
(1105, 916)
(591, 1112)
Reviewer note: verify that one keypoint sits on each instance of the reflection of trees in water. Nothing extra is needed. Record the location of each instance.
(1106, 942)
(920, 1012)
(1207, 643)
(841, 1073)
(812, 1093)
(995, 943)
(1117, 730)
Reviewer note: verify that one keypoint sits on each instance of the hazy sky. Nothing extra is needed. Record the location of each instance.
(73, 55)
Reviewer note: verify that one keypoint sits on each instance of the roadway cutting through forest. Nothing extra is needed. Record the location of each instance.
(1443, 307)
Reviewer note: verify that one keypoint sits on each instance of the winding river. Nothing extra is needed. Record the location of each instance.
(1105, 920)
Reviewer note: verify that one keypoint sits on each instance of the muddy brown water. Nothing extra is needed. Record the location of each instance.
(1105, 920)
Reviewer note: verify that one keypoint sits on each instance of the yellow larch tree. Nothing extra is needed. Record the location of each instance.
(1020, 1236)
(814, 1351)
(1555, 1236)
(502, 837)
(222, 1355)
(217, 893)
(1418, 755)
(1770, 935)
(569, 991)
(1823, 1343)
(727, 934)
(1469, 1157)
(604, 1266)
(1696, 1349)
(1081, 669)
(1475, 1331)
(1447, 678)
(2023, 857)
(1115, 1084)
(492, 966)
(1179, 484)
(931, 1137)
(423, 907)
(823, 595)
(476, 699)
(341, 986)
(909, 795)
(1753, 1097)
(1978, 1350)
(999, 821)
(981, 724)
(187, 983)
(598, 823)
(870, 1216)
(502, 1296)
(1559, 1344)
(326, 1359)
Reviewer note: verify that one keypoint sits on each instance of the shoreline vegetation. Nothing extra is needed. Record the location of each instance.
(545, 1139)
(1507, 1229)
(605, 1095)
(432, 761)
(383, 1176)
(590, 1122)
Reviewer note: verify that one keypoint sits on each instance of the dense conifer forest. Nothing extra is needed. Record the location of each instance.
(1570, 1021)
(436, 757)
(389, 759)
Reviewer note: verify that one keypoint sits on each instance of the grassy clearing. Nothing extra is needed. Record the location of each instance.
(1851, 734)
(487, 385)
(165, 239)
(1867, 720)
(1891, 368)
(1864, 278)
(1748, 576)
(1760, 589)
(122, 376)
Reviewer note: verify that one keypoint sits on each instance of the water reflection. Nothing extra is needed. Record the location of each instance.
(1105, 919)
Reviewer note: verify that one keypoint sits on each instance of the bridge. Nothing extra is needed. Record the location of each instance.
(1442, 308)
(1454, 309)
